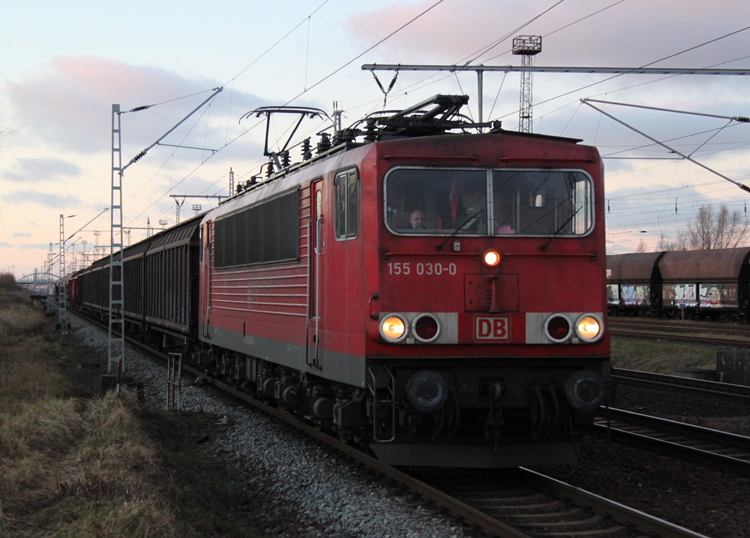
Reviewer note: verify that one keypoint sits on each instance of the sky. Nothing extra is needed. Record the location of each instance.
(66, 64)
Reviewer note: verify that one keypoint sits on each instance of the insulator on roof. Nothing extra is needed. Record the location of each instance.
(306, 152)
(370, 135)
(325, 143)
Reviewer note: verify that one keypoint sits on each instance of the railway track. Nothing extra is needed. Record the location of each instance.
(724, 448)
(680, 337)
(700, 333)
(534, 505)
(531, 505)
(649, 379)
(717, 327)
(508, 503)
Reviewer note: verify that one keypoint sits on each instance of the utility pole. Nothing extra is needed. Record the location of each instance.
(116, 351)
(48, 308)
(49, 263)
(116, 348)
(177, 210)
(63, 294)
(186, 196)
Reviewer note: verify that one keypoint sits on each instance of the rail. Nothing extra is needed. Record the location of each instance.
(637, 377)
(725, 448)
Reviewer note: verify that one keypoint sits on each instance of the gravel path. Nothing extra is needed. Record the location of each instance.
(296, 486)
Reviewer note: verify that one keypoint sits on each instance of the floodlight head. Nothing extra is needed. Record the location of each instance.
(527, 45)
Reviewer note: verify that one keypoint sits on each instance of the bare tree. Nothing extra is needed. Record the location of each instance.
(716, 229)
(681, 243)
(641, 248)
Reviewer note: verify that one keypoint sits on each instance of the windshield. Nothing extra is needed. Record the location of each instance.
(422, 201)
(534, 202)
(437, 201)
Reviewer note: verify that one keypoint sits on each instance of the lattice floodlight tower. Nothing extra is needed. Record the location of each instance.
(526, 46)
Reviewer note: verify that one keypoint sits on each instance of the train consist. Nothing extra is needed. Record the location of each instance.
(693, 283)
(426, 288)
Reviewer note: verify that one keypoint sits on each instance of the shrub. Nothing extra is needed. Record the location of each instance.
(7, 281)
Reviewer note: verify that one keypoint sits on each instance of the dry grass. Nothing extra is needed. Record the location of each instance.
(661, 357)
(82, 468)
(75, 467)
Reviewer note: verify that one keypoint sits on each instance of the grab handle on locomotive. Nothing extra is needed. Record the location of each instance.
(374, 297)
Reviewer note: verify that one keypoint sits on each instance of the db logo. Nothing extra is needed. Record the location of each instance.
(491, 328)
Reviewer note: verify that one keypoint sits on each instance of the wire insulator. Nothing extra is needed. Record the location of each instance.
(324, 144)
(306, 153)
(370, 134)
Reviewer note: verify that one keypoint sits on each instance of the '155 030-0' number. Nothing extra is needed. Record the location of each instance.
(406, 268)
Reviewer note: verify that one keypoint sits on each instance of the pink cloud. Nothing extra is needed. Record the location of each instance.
(68, 104)
(632, 32)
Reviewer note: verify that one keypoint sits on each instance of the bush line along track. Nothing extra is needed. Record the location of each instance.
(725, 448)
(498, 512)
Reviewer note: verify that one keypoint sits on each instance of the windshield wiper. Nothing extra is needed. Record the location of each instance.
(563, 225)
(469, 220)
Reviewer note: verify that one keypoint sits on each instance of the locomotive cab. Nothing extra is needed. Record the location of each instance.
(491, 316)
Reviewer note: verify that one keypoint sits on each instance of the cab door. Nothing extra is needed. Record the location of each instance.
(316, 244)
(206, 266)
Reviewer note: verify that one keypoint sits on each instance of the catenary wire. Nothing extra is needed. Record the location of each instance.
(299, 95)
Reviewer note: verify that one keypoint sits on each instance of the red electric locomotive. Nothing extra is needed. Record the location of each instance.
(433, 295)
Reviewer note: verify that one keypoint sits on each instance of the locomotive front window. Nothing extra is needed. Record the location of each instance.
(504, 202)
(541, 202)
(433, 201)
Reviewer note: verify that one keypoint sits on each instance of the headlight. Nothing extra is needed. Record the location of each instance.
(589, 328)
(491, 258)
(426, 328)
(558, 328)
(393, 328)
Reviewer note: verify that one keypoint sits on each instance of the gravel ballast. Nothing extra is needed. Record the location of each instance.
(296, 487)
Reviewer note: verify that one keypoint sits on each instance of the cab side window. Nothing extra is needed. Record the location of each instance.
(346, 186)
